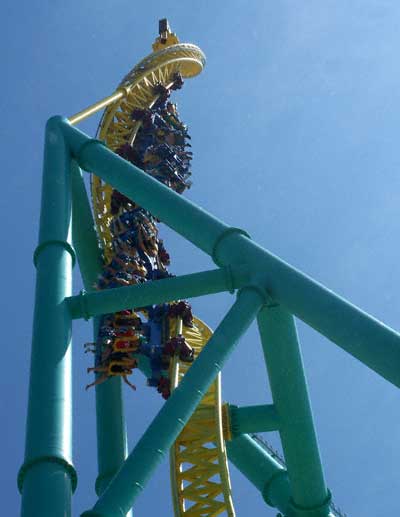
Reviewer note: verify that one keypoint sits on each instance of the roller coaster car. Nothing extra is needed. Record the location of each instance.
(106, 332)
(118, 368)
(178, 82)
(128, 321)
(179, 345)
(163, 95)
(130, 154)
(182, 309)
(125, 332)
(118, 200)
(126, 345)
(150, 158)
(163, 255)
(175, 137)
(164, 387)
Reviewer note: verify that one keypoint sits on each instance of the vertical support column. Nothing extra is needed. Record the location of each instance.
(310, 496)
(111, 429)
(47, 477)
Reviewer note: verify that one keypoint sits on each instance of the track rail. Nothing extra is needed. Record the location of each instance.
(199, 467)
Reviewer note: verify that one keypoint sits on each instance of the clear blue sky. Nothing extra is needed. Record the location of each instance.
(294, 126)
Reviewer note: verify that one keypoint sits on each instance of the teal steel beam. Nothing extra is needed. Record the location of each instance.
(47, 477)
(190, 221)
(290, 396)
(362, 336)
(251, 457)
(112, 446)
(358, 333)
(158, 291)
(253, 419)
(263, 471)
(83, 231)
(166, 426)
(110, 421)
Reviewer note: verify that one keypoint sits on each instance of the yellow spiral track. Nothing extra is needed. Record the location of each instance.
(199, 470)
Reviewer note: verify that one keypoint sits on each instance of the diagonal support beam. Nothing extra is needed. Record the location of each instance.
(265, 473)
(95, 303)
(362, 336)
(166, 426)
(253, 460)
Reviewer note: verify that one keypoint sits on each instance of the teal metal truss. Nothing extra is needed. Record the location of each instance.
(268, 289)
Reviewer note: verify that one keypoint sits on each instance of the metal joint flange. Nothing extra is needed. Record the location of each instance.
(221, 237)
(80, 154)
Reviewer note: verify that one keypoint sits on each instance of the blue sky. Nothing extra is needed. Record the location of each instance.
(294, 126)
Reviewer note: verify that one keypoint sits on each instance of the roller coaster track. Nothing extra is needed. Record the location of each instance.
(117, 127)
(199, 468)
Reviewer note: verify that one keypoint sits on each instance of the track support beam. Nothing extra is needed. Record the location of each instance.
(153, 292)
(47, 477)
(265, 473)
(253, 419)
(290, 395)
(83, 231)
(111, 428)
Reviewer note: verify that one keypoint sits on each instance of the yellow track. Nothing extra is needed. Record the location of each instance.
(117, 127)
(199, 470)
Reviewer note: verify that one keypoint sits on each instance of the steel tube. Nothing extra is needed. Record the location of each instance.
(166, 426)
(185, 217)
(362, 336)
(94, 108)
(265, 473)
(110, 420)
(358, 333)
(290, 396)
(83, 231)
(158, 291)
(47, 477)
(253, 419)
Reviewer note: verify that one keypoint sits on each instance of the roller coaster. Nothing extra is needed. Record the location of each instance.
(140, 166)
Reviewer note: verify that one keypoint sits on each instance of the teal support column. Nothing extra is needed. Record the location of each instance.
(111, 428)
(47, 477)
(266, 474)
(253, 419)
(112, 446)
(158, 291)
(290, 395)
(166, 426)
(83, 231)
(359, 334)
